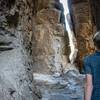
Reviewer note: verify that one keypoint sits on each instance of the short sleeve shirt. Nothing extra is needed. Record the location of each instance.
(92, 66)
(87, 65)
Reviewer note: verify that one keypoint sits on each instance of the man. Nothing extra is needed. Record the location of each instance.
(92, 71)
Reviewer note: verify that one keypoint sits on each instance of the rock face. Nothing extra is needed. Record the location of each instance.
(67, 87)
(49, 42)
(16, 80)
(33, 42)
(49, 54)
(84, 27)
(95, 13)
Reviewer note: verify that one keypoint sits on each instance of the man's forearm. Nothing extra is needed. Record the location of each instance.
(88, 92)
(88, 87)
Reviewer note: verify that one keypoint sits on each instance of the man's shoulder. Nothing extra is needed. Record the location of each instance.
(88, 57)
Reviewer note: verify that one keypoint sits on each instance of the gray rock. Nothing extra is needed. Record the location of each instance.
(16, 81)
(69, 86)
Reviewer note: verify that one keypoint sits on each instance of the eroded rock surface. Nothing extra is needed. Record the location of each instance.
(84, 27)
(49, 42)
(69, 86)
(50, 55)
(16, 79)
(33, 41)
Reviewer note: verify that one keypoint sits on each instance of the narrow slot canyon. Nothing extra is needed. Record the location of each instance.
(42, 46)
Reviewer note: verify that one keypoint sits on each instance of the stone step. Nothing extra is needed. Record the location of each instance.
(48, 79)
(66, 87)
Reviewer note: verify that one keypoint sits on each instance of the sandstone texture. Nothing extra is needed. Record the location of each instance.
(49, 42)
(84, 28)
(50, 57)
(34, 48)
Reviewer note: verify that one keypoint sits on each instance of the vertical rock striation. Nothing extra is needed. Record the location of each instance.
(16, 79)
(84, 27)
(95, 7)
(33, 41)
(49, 41)
(50, 55)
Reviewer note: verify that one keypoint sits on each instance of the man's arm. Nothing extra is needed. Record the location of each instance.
(88, 87)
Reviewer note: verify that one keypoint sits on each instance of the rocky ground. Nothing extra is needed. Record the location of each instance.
(69, 86)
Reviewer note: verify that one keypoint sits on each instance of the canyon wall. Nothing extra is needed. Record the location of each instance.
(49, 40)
(84, 27)
(34, 43)
(95, 7)
(16, 74)
(56, 78)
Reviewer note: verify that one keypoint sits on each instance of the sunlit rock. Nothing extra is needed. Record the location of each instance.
(84, 28)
